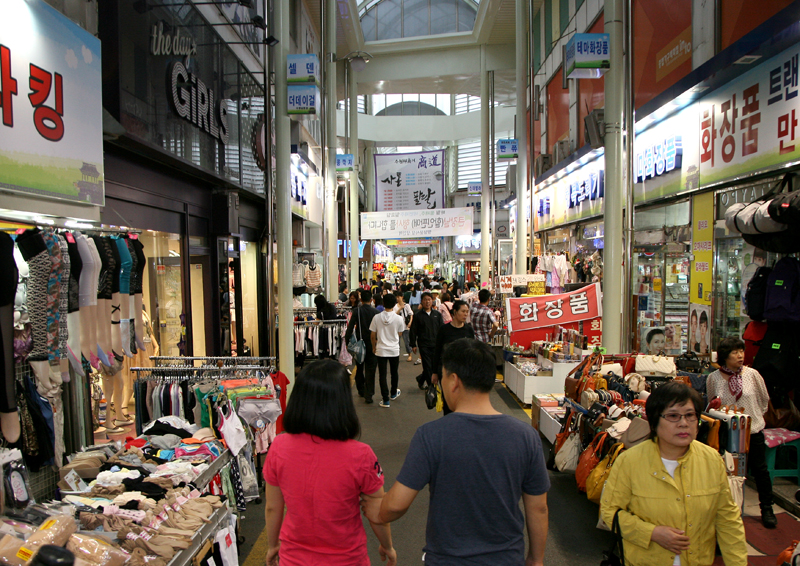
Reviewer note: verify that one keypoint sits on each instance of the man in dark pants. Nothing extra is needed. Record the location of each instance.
(424, 328)
(365, 372)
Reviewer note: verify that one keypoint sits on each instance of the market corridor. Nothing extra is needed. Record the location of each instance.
(573, 536)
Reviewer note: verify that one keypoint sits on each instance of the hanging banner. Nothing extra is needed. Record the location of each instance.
(344, 162)
(410, 181)
(51, 111)
(527, 313)
(507, 150)
(588, 56)
(416, 223)
(474, 189)
(700, 277)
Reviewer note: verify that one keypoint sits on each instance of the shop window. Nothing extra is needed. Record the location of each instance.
(162, 295)
(248, 254)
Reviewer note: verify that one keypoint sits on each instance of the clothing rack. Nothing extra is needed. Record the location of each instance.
(316, 322)
(221, 361)
(177, 374)
(61, 224)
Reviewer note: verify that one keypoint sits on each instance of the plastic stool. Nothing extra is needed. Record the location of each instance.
(772, 452)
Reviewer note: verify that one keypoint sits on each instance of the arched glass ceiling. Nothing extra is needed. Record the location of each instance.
(394, 19)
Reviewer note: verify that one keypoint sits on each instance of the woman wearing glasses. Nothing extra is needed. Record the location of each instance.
(671, 492)
(736, 384)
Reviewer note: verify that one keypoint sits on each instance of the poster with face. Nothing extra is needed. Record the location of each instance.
(653, 340)
(699, 328)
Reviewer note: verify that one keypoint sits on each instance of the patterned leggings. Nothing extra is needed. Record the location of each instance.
(34, 252)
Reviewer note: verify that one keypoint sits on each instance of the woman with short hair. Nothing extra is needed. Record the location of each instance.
(319, 473)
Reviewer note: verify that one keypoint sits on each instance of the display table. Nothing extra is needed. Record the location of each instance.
(549, 425)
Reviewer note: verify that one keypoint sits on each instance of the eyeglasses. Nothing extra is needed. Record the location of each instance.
(676, 417)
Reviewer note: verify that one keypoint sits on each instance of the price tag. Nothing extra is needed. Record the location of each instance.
(75, 482)
(228, 540)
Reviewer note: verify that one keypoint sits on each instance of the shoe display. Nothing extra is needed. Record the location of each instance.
(395, 396)
(768, 518)
(384, 404)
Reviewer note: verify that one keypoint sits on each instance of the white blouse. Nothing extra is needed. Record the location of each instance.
(754, 399)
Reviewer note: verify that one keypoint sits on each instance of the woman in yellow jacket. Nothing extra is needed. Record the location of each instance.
(672, 492)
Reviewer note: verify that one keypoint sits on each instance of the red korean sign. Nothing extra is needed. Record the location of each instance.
(526, 313)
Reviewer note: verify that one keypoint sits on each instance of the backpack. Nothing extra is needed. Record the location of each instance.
(756, 293)
(782, 302)
(753, 335)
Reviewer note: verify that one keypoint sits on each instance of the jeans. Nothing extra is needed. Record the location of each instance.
(426, 355)
(365, 376)
(757, 462)
(407, 341)
(394, 363)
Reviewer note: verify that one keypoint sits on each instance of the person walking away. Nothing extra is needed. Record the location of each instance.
(671, 491)
(482, 318)
(742, 386)
(478, 463)
(424, 328)
(446, 308)
(455, 330)
(361, 319)
(385, 331)
(406, 292)
(416, 298)
(377, 300)
(342, 292)
(325, 311)
(404, 310)
(319, 454)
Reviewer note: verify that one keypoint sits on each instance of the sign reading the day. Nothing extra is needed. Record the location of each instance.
(587, 56)
(416, 223)
(410, 181)
(51, 110)
(507, 150)
(344, 162)
(303, 99)
(474, 189)
(527, 313)
(302, 68)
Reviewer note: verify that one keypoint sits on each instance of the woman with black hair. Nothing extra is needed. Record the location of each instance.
(742, 386)
(670, 493)
(325, 310)
(656, 340)
(319, 473)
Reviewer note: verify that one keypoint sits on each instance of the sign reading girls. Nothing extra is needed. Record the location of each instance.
(527, 313)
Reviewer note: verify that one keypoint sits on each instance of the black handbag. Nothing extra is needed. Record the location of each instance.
(615, 556)
(430, 396)
(689, 362)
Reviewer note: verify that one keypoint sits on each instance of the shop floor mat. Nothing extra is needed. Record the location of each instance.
(772, 542)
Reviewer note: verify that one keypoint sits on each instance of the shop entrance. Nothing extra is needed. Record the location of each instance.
(200, 286)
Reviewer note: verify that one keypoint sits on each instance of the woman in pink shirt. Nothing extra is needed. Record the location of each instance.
(320, 473)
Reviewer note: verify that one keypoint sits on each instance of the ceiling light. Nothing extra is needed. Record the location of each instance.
(747, 60)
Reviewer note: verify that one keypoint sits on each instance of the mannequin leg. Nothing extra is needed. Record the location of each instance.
(89, 335)
(127, 389)
(116, 339)
(74, 342)
(112, 387)
(137, 320)
(124, 324)
(9, 417)
(103, 321)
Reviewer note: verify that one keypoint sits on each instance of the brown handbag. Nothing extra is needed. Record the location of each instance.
(589, 459)
(713, 431)
(787, 417)
(574, 386)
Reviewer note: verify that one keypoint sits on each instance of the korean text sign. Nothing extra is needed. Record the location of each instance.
(410, 181)
(303, 99)
(302, 68)
(416, 223)
(527, 313)
(344, 162)
(51, 111)
(588, 55)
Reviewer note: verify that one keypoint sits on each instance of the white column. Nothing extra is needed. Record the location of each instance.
(520, 260)
(330, 204)
(283, 204)
(613, 254)
(486, 152)
(354, 219)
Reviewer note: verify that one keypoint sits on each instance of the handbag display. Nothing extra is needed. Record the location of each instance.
(589, 458)
(597, 479)
(636, 433)
(574, 386)
(655, 366)
(562, 436)
(712, 438)
(738, 424)
(357, 348)
(589, 398)
(689, 362)
(569, 454)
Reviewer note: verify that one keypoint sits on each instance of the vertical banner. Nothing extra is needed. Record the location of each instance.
(410, 181)
(701, 275)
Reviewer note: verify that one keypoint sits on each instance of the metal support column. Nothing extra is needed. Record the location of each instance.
(331, 141)
(283, 204)
(269, 189)
(521, 256)
(352, 89)
(616, 171)
(485, 153)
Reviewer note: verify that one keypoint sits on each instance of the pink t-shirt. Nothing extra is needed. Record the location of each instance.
(321, 482)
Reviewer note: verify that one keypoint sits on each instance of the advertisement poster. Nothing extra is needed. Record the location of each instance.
(700, 328)
(417, 223)
(657, 339)
(527, 313)
(51, 111)
(410, 181)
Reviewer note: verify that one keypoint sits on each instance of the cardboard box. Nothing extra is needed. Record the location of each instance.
(539, 400)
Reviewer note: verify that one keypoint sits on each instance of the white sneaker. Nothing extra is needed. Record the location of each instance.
(384, 404)
(395, 396)
(417, 361)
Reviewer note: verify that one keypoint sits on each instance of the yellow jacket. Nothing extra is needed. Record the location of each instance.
(698, 501)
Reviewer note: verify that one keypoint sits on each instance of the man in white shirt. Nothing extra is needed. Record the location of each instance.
(386, 330)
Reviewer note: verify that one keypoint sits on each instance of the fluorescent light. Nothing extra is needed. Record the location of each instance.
(43, 220)
(76, 224)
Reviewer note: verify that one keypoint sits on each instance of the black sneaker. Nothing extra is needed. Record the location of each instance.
(368, 401)
(768, 518)
(360, 393)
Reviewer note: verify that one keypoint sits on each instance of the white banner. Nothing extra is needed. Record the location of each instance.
(410, 181)
(416, 223)
(508, 282)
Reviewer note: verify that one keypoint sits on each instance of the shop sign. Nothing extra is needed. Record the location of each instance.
(344, 245)
(507, 150)
(378, 266)
(508, 282)
(303, 99)
(590, 187)
(543, 208)
(593, 330)
(527, 313)
(177, 44)
(344, 162)
(51, 111)
(194, 102)
(417, 242)
(587, 56)
(745, 194)
(302, 68)
(659, 158)
(411, 223)
(571, 197)
(410, 181)
(468, 244)
(474, 189)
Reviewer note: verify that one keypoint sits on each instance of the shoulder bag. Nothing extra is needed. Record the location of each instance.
(655, 366)
(597, 479)
(562, 436)
(357, 348)
(567, 458)
(589, 458)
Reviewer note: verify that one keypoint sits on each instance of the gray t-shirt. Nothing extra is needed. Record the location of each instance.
(478, 467)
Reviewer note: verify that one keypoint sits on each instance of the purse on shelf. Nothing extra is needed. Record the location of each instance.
(567, 457)
(588, 398)
(569, 427)
(597, 479)
(689, 362)
(655, 366)
(636, 433)
(589, 458)
(575, 386)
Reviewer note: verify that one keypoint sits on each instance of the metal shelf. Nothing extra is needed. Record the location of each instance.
(205, 532)
(213, 468)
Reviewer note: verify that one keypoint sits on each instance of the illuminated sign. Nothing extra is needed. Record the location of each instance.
(544, 206)
(590, 187)
(345, 245)
(194, 102)
(659, 158)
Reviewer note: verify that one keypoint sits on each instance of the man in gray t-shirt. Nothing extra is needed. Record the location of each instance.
(478, 463)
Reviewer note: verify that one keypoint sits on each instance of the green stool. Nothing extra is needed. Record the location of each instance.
(776, 438)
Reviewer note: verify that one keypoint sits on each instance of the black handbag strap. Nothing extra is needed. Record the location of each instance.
(618, 543)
